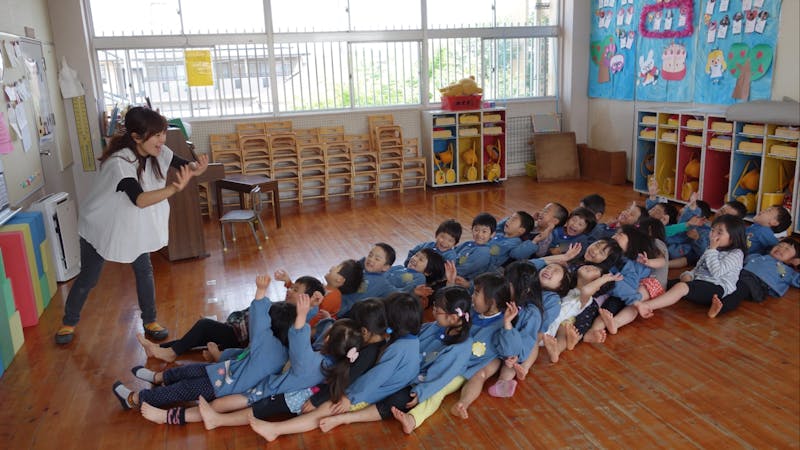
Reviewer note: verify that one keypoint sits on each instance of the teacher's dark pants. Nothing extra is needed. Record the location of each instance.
(91, 266)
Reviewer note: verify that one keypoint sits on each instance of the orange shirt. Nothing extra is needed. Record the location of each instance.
(331, 302)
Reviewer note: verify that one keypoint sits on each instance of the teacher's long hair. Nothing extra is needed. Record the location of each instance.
(145, 123)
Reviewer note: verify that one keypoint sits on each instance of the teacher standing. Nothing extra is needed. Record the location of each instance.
(126, 214)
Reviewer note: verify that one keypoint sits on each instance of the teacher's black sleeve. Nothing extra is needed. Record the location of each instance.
(131, 187)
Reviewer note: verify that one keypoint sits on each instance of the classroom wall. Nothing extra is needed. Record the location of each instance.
(611, 122)
(16, 15)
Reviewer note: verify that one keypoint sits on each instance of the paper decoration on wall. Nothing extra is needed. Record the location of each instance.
(612, 69)
(681, 50)
(198, 67)
(736, 63)
(6, 146)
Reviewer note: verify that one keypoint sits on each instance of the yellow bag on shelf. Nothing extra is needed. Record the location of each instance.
(787, 151)
(695, 124)
(750, 147)
(757, 130)
(722, 127)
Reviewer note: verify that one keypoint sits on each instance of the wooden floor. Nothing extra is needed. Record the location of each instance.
(674, 381)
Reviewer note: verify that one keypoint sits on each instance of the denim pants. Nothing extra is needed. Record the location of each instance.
(91, 266)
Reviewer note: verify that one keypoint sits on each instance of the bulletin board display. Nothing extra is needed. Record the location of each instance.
(27, 121)
(702, 51)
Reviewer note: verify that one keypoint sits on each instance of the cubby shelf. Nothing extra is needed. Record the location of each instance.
(691, 150)
(464, 147)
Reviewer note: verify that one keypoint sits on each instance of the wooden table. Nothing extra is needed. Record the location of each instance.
(243, 184)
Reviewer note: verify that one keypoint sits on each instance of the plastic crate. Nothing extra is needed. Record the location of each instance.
(461, 102)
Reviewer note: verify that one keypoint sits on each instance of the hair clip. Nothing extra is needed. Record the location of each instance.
(459, 312)
(389, 330)
(466, 316)
(352, 354)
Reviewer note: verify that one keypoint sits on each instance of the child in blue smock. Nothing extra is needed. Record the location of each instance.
(508, 237)
(374, 284)
(266, 355)
(762, 276)
(447, 236)
(491, 317)
(761, 234)
(445, 348)
(473, 257)
(537, 242)
(424, 268)
(578, 228)
(537, 293)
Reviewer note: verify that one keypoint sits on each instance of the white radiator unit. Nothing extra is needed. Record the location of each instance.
(61, 225)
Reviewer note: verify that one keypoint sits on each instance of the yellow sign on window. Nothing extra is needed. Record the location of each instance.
(198, 67)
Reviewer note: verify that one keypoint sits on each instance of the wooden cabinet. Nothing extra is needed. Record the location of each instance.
(691, 150)
(464, 147)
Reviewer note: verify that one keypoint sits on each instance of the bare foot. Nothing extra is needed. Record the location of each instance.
(460, 410)
(264, 429)
(153, 350)
(328, 423)
(595, 336)
(716, 306)
(551, 344)
(608, 320)
(407, 421)
(209, 415)
(520, 371)
(153, 414)
(573, 337)
(145, 344)
(213, 351)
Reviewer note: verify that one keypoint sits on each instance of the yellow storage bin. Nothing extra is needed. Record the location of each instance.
(669, 136)
(649, 120)
(492, 131)
(444, 121)
(788, 132)
(673, 121)
(750, 147)
(693, 139)
(757, 130)
(695, 124)
(787, 151)
(648, 133)
(722, 127)
(721, 143)
(442, 134)
(469, 118)
(492, 118)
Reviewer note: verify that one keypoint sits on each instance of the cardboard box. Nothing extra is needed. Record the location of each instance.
(600, 165)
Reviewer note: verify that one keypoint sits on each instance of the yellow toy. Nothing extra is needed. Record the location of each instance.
(470, 158)
(495, 153)
(444, 166)
(466, 86)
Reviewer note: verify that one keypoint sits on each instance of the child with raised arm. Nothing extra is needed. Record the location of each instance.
(369, 315)
(591, 281)
(685, 248)
(716, 272)
(445, 348)
(578, 229)
(447, 236)
(397, 366)
(628, 216)
(763, 275)
(343, 278)
(216, 335)
(541, 292)
(378, 261)
(537, 242)
(267, 354)
(508, 237)
(490, 313)
(306, 369)
(761, 234)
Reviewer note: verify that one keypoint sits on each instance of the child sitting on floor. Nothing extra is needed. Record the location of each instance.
(473, 257)
(378, 261)
(424, 268)
(768, 222)
(537, 243)
(447, 236)
(508, 237)
(578, 229)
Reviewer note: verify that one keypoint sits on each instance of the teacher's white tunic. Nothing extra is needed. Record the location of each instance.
(119, 230)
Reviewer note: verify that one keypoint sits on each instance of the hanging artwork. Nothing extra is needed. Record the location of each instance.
(666, 51)
(737, 52)
(612, 68)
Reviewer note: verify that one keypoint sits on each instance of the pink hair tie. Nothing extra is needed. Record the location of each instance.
(352, 355)
(459, 312)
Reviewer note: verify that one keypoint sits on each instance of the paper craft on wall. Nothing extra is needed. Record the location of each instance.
(613, 49)
(737, 51)
(666, 51)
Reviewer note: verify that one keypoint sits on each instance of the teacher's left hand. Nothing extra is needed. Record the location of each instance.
(199, 166)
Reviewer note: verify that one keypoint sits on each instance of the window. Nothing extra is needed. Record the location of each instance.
(324, 54)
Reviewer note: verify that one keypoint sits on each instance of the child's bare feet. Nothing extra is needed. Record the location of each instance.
(212, 352)
(716, 306)
(608, 320)
(460, 410)
(264, 429)
(520, 371)
(153, 350)
(209, 415)
(643, 309)
(407, 421)
(573, 336)
(595, 336)
(153, 414)
(551, 344)
(328, 423)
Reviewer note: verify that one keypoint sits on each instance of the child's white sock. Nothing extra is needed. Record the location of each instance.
(123, 395)
(144, 373)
